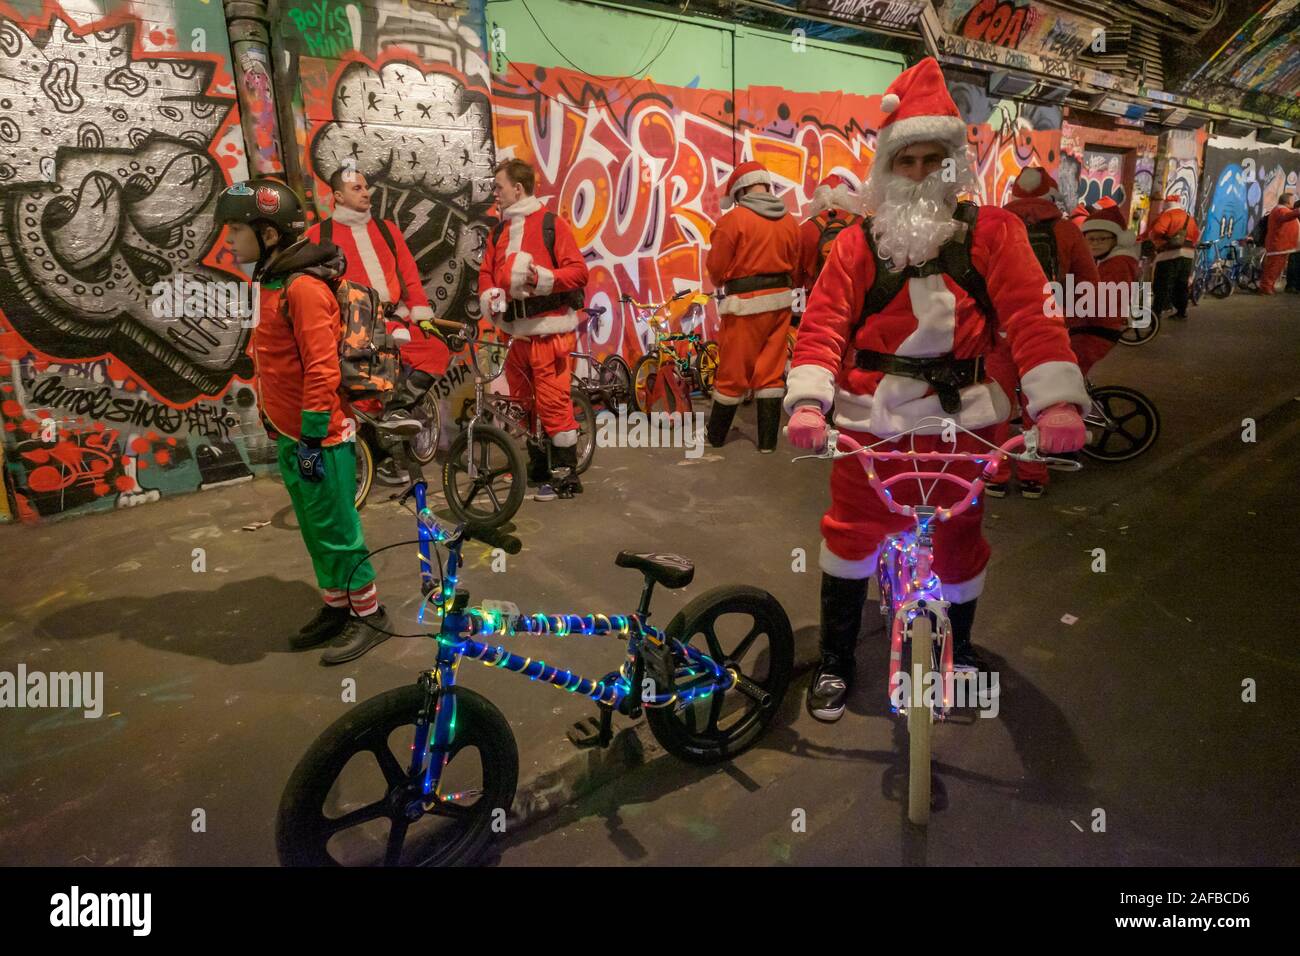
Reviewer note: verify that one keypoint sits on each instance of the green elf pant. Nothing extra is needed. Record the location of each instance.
(327, 515)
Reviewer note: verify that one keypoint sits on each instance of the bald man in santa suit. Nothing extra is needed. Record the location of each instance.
(378, 257)
(891, 338)
(754, 259)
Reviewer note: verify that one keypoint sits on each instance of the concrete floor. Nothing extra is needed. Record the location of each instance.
(1135, 709)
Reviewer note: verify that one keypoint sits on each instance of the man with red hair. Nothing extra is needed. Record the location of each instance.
(753, 258)
(896, 332)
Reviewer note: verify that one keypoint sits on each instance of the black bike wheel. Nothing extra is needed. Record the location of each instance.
(1140, 336)
(738, 626)
(1224, 287)
(586, 416)
(324, 821)
(617, 378)
(493, 496)
(706, 367)
(1131, 427)
(365, 471)
(423, 446)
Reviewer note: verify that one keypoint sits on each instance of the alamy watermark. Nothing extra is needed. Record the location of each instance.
(1095, 300)
(979, 691)
(186, 297)
(635, 429)
(83, 690)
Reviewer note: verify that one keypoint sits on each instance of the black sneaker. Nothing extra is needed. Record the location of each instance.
(327, 624)
(995, 489)
(1031, 489)
(965, 659)
(359, 635)
(828, 691)
(390, 473)
(400, 423)
(568, 486)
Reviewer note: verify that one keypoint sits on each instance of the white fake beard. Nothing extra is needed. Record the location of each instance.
(912, 220)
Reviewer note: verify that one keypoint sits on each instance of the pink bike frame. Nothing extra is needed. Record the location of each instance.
(919, 588)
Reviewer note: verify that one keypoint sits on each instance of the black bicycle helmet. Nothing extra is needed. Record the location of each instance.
(262, 201)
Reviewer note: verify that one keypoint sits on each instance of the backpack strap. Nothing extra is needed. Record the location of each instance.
(391, 243)
(327, 230)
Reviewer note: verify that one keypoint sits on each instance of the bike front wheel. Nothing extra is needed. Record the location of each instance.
(617, 379)
(739, 627)
(365, 471)
(423, 445)
(352, 800)
(586, 416)
(1134, 335)
(651, 389)
(706, 367)
(920, 722)
(491, 496)
(1124, 423)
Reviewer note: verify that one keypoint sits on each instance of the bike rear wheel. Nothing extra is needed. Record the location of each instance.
(1128, 425)
(493, 495)
(617, 380)
(586, 416)
(338, 810)
(365, 471)
(740, 627)
(920, 722)
(423, 445)
(1133, 335)
(706, 367)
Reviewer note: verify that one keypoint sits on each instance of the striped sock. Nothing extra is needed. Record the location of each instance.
(335, 597)
(365, 601)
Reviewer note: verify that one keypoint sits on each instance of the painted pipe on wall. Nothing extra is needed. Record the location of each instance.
(250, 53)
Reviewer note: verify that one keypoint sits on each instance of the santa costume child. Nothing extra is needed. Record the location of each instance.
(887, 350)
(1115, 249)
(753, 258)
(1062, 252)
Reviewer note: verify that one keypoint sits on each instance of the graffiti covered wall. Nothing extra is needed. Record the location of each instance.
(1242, 182)
(1118, 163)
(120, 128)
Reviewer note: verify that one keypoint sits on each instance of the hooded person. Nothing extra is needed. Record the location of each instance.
(897, 328)
(1067, 261)
(753, 258)
(295, 348)
(836, 205)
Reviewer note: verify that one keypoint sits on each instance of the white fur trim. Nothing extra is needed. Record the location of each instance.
(400, 335)
(723, 399)
(370, 262)
(809, 383)
(764, 302)
(1029, 180)
(1103, 225)
(963, 591)
(935, 308)
(420, 313)
(899, 403)
(839, 567)
(485, 301)
(545, 281)
(749, 179)
(770, 393)
(524, 207)
(889, 103)
(842, 197)
(565, 439)
(344, 216)
(565, 321)
(950, 130)
(1183, 253)
(1049, 383)
(519, 274)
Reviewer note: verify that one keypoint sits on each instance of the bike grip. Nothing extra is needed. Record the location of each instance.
(496, 538)
(753, 691)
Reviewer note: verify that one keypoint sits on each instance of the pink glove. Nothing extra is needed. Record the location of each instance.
(1060, 428)
(807, 428)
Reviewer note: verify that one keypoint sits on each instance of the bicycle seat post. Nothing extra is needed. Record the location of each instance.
(647, 590)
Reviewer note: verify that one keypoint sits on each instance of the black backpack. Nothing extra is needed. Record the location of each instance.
(1042, 239)
(576, 298)
(833, 228)
(1261, 231)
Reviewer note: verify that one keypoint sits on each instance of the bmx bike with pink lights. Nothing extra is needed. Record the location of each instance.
(911, 594)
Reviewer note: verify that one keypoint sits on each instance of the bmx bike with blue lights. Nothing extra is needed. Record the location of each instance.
(911, 594)
(425, 774)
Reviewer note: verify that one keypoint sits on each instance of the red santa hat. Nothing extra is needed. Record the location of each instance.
(919, 109)
(1034, 182)
(748, 173)
(835, 191)
(1110, 220)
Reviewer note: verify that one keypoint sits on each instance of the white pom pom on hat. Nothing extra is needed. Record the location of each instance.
(889, 102)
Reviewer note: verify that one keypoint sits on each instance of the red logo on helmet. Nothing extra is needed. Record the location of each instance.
(267, 199)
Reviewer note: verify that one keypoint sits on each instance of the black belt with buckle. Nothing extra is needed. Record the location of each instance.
(536, 305)
(756, 283)
(945, 374)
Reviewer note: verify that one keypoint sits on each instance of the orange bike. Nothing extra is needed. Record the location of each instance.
(675, 364)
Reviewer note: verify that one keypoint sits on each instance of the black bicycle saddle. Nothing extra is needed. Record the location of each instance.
(670, 570)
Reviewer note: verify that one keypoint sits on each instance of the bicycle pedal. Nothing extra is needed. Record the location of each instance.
(584, 733)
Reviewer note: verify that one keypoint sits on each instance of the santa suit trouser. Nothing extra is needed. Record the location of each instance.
(751, 356)
(1274, 266)
(1172, 284)
(327, 514)
(857, 522)
(538, 374)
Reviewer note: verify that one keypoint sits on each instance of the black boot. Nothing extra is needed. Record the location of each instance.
(539, 462)
(398, 418)
(359, 635)
(326, 625)
(566, 471)
(720, 418)
(842, 601)
(962, 617)
(769, 424)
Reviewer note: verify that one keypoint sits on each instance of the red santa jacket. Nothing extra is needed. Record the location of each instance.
(1283, 230)
(1071, 248)
(295, 344)
(932, 316)
(1120, 265)
(810, 241)
(505, 266)
(1169, 223)
(745, 243)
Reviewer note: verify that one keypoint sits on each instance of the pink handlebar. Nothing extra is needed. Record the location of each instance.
(972, 488)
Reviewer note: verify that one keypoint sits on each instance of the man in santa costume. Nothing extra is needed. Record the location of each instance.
(836, 205)
(530, 288)
(1279, 242)
(1174, 235)
(888, 348)
(1062, 251)
(378, 257)
(753, 258)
